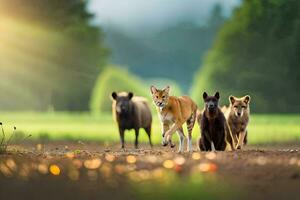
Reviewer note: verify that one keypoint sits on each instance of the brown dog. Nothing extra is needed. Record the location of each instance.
(238, 115)
(215, 132)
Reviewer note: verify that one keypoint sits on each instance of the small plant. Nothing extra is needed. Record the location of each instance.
(6, 142)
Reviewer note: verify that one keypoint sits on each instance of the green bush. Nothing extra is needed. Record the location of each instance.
(118, 79)
(115, 79)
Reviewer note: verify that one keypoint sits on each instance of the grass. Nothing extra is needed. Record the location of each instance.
(83, 126)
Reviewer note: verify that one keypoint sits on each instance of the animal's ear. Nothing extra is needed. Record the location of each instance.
(204, 95)
(217, 95)
(247, 99)
(114, 95)
(167, 89)
(153, 89)
(130, 95)
(231, 99)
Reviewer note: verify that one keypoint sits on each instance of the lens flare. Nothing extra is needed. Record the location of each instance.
(54, 169)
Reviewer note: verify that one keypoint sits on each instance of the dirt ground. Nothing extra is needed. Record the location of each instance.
(64, 170)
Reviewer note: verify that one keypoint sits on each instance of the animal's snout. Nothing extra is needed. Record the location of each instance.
(123, 108)
(211, 106)
(239, 114)
(160, 103)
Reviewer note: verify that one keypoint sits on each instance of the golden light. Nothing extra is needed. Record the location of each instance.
(293, 161)
(5, 170)
(24, 47)
(54, 169)
(92, 164)
(11, 164)
(169, 164)
(196, 156)
(204, 167)
(179, 160)
(70, 155)
(131, 159)
(42, 168)
(210, 155)
(208, 167)
(110, 157)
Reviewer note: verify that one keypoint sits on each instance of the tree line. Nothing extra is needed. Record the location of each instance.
(257, 53)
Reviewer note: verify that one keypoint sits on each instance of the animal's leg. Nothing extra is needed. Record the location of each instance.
(229, 137)
(181, 139)
(121, 131)
(204, 144)
(172, 129)
(136, 143)
(148, 131)
(169, 139)
(210, 142)
(246, 138)
(165, 128)
(190, 125)
(241, 140)
(212, 146)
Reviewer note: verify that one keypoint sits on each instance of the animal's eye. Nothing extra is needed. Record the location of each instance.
(244, 107)
(163, 96)
(156, 96)
(235, 106)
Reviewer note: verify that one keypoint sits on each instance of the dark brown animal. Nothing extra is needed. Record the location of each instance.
(131, 113)
(215, 132)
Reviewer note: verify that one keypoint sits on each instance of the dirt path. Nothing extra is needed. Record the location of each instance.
(96, 171)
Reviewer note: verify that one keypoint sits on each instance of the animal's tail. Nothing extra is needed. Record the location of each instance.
(199, 116)
(191, 122)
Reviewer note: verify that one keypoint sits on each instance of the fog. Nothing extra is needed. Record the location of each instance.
(152, 15)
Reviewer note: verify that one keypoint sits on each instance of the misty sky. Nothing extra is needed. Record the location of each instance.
(133, 15)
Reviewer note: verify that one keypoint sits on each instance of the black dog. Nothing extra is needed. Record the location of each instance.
(215, 132)
(131, 113)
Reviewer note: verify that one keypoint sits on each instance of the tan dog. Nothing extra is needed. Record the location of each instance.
(174, 112)
(237, 116)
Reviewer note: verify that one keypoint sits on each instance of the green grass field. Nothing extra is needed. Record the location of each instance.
(83, 126)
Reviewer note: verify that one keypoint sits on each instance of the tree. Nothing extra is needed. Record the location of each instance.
(50, 53)
(257, 53)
